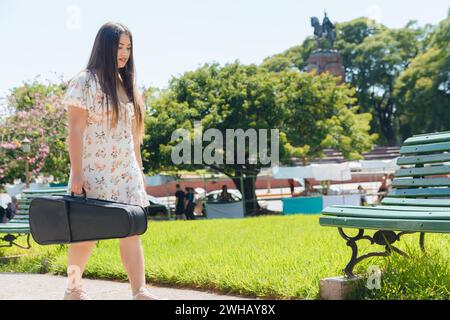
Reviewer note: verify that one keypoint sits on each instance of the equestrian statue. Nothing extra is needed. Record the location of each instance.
(326, 30)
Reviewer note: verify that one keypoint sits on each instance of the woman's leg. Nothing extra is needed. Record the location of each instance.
(133, 261)
(77, 257)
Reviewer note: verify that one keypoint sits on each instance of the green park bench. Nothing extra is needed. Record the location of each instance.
(19, 225)
(419, 201)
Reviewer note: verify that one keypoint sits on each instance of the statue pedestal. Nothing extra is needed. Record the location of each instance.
(326, 61)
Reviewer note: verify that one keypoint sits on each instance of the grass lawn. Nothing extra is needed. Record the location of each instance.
(280, 257)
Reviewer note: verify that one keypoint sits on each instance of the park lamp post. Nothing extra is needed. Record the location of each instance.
(26, 148)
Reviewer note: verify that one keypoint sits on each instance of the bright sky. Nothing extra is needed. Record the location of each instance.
(50, 38)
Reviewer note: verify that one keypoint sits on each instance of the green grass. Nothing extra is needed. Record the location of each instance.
(280, 257)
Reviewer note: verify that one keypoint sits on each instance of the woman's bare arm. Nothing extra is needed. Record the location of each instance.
(137, 150)
(77, 124)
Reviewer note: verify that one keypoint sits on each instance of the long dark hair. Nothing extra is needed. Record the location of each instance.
(103, 63)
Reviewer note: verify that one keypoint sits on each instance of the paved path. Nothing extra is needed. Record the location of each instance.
(20, 286)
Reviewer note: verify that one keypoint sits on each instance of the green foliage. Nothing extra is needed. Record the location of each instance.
(317, 116)
(294, 57)
(421, 277)
(401, 76)
(423, 90)
(25, 97)
(39, 116)
(311, 112)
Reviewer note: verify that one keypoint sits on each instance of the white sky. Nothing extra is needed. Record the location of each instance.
(50, 38)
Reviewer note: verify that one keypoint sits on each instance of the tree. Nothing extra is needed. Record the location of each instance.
(294, 57)
(322, 115)
(374, 56)
(373, 67)
(40, 116)
(311, 113)
(423, 90)
(25, 97)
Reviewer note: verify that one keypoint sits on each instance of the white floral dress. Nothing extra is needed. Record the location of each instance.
(110, 169)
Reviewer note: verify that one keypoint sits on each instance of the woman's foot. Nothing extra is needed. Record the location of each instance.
(76, 294)
(144, 294)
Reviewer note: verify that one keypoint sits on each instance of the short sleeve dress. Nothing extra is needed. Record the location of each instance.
(110, 169)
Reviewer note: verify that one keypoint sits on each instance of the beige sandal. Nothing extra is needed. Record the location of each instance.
(144, 294)
(76, 294)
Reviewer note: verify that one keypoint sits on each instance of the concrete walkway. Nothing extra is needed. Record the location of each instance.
(20, 286)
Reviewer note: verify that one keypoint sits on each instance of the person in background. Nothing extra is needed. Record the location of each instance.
(308, 188)
(10, 211)
(389, 180)
(291, 185)
(3, 215)
(382, 191)
(225, 195)
(190, 203)
(362, 192)
(14, 205)
(180, 204)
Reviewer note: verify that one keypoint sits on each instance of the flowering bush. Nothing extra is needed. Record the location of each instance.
(40, 116)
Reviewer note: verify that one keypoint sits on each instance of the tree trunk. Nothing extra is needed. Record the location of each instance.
(387, 129)
(385, 119)
(247, 187)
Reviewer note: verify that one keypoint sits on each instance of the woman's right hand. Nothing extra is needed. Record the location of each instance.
(77, 184)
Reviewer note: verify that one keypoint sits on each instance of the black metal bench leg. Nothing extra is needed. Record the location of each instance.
(351, 242)
(400, 252)
(348, 270)
(11, 239)
(422, 241)
(381, 237)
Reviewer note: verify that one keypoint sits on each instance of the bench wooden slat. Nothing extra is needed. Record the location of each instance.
(19, 221)
(422, 192)
(14, 228)
(21, 217)
(420, 182)
(410, 208)
(422, 159)
(25, 203)
(425, 171)
(437, 226)
(430, 133)
(378, 212)
(428, 138)
(416, 202)
(425, 148)
(42, 191)
(31, 197)
(399, 208)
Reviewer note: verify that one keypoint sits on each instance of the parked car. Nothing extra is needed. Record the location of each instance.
(156, 208)
(213, 196)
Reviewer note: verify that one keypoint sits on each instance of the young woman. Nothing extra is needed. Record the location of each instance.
(106, 126)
